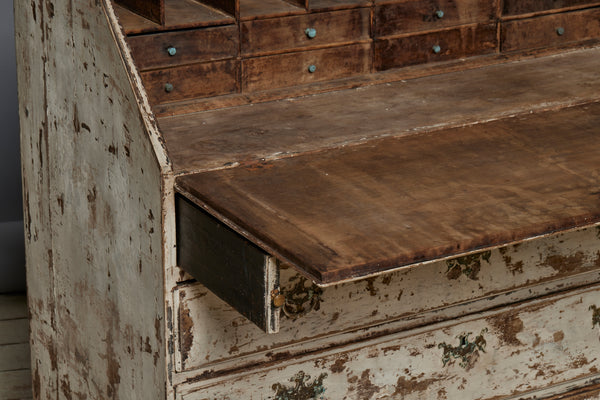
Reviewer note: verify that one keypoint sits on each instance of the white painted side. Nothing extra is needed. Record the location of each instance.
(530, 346)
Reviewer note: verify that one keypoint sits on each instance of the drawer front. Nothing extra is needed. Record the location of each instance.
(185, 47)
(551, 30)
(515, 7)
(192, 81)
(413, 16)
(526, 349)
(210, 335)
(305, 67)
(437, 46)
(279, 34)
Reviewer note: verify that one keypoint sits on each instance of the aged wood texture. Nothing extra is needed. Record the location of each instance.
(551, 30)
(512, 7)
(251, 9)
(93, 202)
(196, 80)
(498, 354)
(230, 266)
(154, 10)
(465, 41)
(223, 339)
(399, 201)
(179, 14)
(290, 69)
(15, 385)
(418, 15)
(290, 33)
(210, 44)
(221, 138)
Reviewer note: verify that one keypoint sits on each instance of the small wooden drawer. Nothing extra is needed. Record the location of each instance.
(289, 33)
(291, 69)
(184, 47)
(516, 7)
(437, 46)
(192, 81)
(551, 30)
(420, 15)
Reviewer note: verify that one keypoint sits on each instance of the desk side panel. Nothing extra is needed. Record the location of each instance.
(93, 206)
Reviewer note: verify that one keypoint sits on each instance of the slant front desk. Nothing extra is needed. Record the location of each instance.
(312, 199)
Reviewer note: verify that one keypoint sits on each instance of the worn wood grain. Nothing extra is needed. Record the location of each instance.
(330, 5)
(465, 41)
(15, 385)
(420, 15)
(224, 340)
(252, 9)
(543, 31)
(14, 331)
(505, 353)
(154, 10)
(221, 138)
(210, 44)
(13, 306)
(289, 33)
(14, 356)
(512, 7)
(400, 201)
(179, 14)
(191, 81)
(291, 69)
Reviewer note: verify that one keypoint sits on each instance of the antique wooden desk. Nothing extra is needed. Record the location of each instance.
(306, 199)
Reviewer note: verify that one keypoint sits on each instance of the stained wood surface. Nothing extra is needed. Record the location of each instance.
(179, 14)
(419, 15)
(511, 7)
(543, 31)
(209, 44)
(13, 307)
(364, 209)
(15, 385)
(250, 9)
(220, 138)
(464, 41)
(288, 33)
(290, 69)
(15, 372)
(153, 10)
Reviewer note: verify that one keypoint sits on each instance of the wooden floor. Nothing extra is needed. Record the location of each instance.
(15, 373)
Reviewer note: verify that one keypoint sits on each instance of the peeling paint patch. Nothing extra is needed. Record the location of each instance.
(468, 265)
(405, 387)
(186, 332)
(466, 351)
(565, 264)
(302, 388)
(595, 315)
(366, 389)
(507, 327)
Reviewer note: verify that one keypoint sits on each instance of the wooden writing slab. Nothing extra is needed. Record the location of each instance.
(342, 213)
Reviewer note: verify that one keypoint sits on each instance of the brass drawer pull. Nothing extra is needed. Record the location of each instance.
(311, 32)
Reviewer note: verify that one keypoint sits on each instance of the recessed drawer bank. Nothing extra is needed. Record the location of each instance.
(210, 335)
(528, 350)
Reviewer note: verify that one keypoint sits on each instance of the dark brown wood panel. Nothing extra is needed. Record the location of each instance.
(251, 9)
(196, 80)
(154, 10)
(179, 14)
(330, 5)
(291, 69)
(438, 46)
(551, 30)
(515, 7)
(421, 15)
(364, 209)
(210, 44)
(231, 7)
(297, 32)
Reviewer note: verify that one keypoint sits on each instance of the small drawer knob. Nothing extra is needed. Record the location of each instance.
(439, 14)
(169, 87)
(172, 51)
(436, 48)
(560, 31)
(311, 32)
(312, 68)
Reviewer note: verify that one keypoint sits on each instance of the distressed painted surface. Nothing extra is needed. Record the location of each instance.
(528, 347)
(93, 204)
(400, 300)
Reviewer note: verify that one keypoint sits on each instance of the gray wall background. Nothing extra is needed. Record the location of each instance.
(12, 253)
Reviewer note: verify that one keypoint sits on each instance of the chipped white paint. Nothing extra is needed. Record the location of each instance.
(222, 339)
(529, 347)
